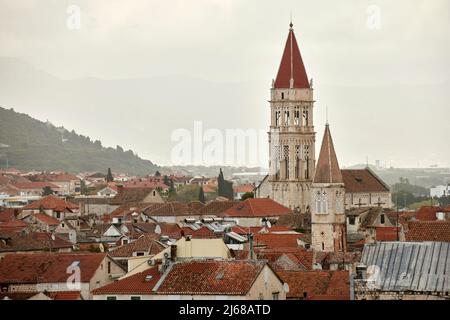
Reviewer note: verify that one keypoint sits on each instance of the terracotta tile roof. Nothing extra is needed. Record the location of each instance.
(145, 184)
(303, 257)
(168, 229)
(170, 209)
(291, 66)
(140, 283)
(244, 188)
(8, 214)
(196, 205)
(30, 241)
(428, 213)
(327, 168)
(35, 185)
(209, 188)
(216, 207)
(9, 189)
(51, 203)
(317, 284)
(44, 218)
(202, 233)
(64, 295)
(362, 180)
(428, 231)
(387, 233)
(275, 240)
(47, 267)
(131, 195)
(62, 177)
(145, 243)
(211, 277)
(13, 225)
(257, 207)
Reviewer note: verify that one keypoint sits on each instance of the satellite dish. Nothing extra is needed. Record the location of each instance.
(285, 287)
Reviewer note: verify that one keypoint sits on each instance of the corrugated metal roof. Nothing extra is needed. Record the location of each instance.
(409, 266)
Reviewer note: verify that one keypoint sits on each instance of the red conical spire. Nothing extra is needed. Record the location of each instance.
(327, 170)
(291, 66)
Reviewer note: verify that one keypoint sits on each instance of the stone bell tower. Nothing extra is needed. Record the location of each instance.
(328, 231)
(291, 135)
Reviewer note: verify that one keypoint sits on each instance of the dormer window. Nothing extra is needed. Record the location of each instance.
(382, 219)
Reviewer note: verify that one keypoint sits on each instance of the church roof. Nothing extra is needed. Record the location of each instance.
(327, 170)
(291, 66)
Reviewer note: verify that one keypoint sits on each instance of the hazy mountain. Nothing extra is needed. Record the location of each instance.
(31, 144)
(392, 123)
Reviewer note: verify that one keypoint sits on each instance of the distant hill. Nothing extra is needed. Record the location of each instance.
(29, 144)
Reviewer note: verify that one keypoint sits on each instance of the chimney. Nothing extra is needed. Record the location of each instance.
(173, 252)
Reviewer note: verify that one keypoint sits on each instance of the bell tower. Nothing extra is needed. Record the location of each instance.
(328, 231)
(291, 134)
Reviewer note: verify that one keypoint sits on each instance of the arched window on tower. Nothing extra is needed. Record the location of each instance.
(297, 161)
(297, 116)
(305, 117)
(286, 161)
(282, 95)
(286, 118)
(306, 154)
(277, 118)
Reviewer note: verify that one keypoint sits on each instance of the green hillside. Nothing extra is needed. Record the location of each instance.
(29, 144)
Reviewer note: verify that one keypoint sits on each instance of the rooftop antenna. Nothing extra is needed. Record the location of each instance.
(326, 114)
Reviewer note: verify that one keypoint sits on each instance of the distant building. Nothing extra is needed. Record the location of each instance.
(440, 191)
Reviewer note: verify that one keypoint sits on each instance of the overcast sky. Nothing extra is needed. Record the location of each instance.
(343, 43)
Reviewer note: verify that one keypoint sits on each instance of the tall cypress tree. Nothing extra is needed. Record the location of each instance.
(109, 176)
(225, 188)
(201, 195)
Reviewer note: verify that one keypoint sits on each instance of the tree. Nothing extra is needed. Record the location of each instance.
(109, 176)
(225, 188)
(201, 195)
(47, 191)
(83, 189)
(157, 174)
(166, 180)
(172, 191)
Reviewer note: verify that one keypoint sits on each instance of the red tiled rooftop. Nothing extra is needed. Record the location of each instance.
(277, 240)
(362, 180)
(202, 233)
(47, 267)
(428, 231)
(44, 218)
(35, 185)
(211, 277)
(320, 285)
(257, 207)
(140, 283)
(51, 203)
(428, 213)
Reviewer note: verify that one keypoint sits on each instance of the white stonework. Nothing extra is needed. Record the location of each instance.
(328, 217)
